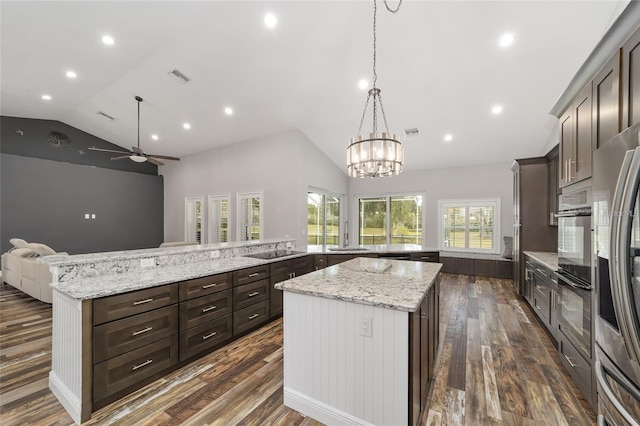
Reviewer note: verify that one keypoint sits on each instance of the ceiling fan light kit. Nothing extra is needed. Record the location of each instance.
(136, 154)
(377, 155)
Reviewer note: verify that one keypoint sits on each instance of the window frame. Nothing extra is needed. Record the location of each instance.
(467, 203)
(240, 196)
(341, 231)
(211, 226)
(389, 196)
(188, 199)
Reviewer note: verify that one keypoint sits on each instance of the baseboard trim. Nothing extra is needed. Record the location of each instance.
(319, 410)
(69, 401)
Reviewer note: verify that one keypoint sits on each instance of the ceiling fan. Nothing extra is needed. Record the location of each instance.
(136, 154)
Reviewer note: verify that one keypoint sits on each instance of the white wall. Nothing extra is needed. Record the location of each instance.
(484, 181)
(283, 166)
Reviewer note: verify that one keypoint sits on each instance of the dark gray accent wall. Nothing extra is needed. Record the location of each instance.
(29, 137)
(45, 201)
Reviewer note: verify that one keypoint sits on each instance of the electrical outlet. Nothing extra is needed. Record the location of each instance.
(365, 326)
(215, 254)
(148, 263)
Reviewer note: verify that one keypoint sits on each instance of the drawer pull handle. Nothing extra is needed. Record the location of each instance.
(142, 302)
(255, 274)
(571, 363)
(538, 287)
(209, 335)
(255, 293)
(210, 308)
(147, 362)
(254, 316)
(209, 285)
(144, 330)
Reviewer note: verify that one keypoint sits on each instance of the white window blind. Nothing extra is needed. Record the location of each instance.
(218, 218)
(193, 218)
(249, 216)
(469, 225)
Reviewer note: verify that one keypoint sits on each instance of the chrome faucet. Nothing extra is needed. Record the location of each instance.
(345, 237)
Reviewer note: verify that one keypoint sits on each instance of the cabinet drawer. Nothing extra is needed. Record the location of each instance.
(132, 367)
(205, 336)
(541, 303)
(248, 294)
(278, 268)
(127, 334)
(124, 305)
(205, 285)
(578, 367)
(425, 257)
(251, 317)
(250, 275)
(319, 261)
(303, 263)
(204, 309)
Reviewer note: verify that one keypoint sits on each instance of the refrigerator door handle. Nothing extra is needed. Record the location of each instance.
(621, 251)
(606, 389)
(614, 271)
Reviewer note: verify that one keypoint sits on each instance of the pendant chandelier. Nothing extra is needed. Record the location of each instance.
(377, 155)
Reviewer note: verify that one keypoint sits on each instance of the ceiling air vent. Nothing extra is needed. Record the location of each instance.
(179, 76)
(411, 132)
(105, 115)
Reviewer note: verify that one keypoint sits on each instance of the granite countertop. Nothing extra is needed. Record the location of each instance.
(107, 285)
(550, 259)
(376, 248)
(386, 283)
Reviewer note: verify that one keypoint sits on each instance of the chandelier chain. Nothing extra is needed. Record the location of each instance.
(384, 116)
(364, 114)
(392, 10)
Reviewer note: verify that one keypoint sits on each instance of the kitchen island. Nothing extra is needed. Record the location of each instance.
(360, 340)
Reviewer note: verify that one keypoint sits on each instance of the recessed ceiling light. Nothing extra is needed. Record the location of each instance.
(363, 84)
(154, 137)
(270, 20)
(448, 137)
(506, 39)
(71, 74)
(228, 110)
(186, 126)
(497, 109)
(107, 39)
(46, 97)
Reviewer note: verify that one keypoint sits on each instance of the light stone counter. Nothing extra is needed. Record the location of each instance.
(386, 283)
(548, 258)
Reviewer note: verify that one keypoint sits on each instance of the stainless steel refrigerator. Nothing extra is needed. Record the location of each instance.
(616, 260)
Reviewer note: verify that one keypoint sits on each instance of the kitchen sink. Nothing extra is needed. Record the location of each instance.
(273, 254)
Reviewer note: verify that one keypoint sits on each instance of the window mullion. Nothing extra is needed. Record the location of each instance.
(388, 220)
(467, 231)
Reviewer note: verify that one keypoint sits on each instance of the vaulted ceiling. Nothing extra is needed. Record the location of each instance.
(440, 69)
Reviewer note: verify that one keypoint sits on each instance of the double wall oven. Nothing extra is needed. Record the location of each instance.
(574, 269)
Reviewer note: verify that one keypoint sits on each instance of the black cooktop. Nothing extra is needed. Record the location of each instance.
(273, 254)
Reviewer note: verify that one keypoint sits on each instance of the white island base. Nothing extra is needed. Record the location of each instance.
(337, 376)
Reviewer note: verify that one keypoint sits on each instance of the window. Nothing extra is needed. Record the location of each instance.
(390, 220)
(218, 218)
(193, 218)
(469, 225)
(249, 216)
(323, 219)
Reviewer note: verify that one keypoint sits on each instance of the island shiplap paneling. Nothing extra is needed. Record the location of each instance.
(64, 381)
(339, 378)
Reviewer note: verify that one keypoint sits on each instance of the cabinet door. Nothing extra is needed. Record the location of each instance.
(552, 191)
(631, 81)
(606, 101)
(580, 164)
(566, 146)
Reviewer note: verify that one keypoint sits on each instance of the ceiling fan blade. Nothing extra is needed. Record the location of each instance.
(154, 161)
(93, 148)
(164, 157)
(120, 158)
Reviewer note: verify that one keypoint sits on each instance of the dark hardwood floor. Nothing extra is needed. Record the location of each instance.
(496, 366)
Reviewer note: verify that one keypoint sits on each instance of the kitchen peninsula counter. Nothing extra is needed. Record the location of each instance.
(360, 341)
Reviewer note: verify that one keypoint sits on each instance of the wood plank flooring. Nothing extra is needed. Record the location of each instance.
(496, 366)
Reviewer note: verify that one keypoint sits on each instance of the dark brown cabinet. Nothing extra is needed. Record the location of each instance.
(542, 294)
(319, 261)
(606, 103)
(286, 270)
(575, 140)
(630, 76)
(553, 187)
(423, 348)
